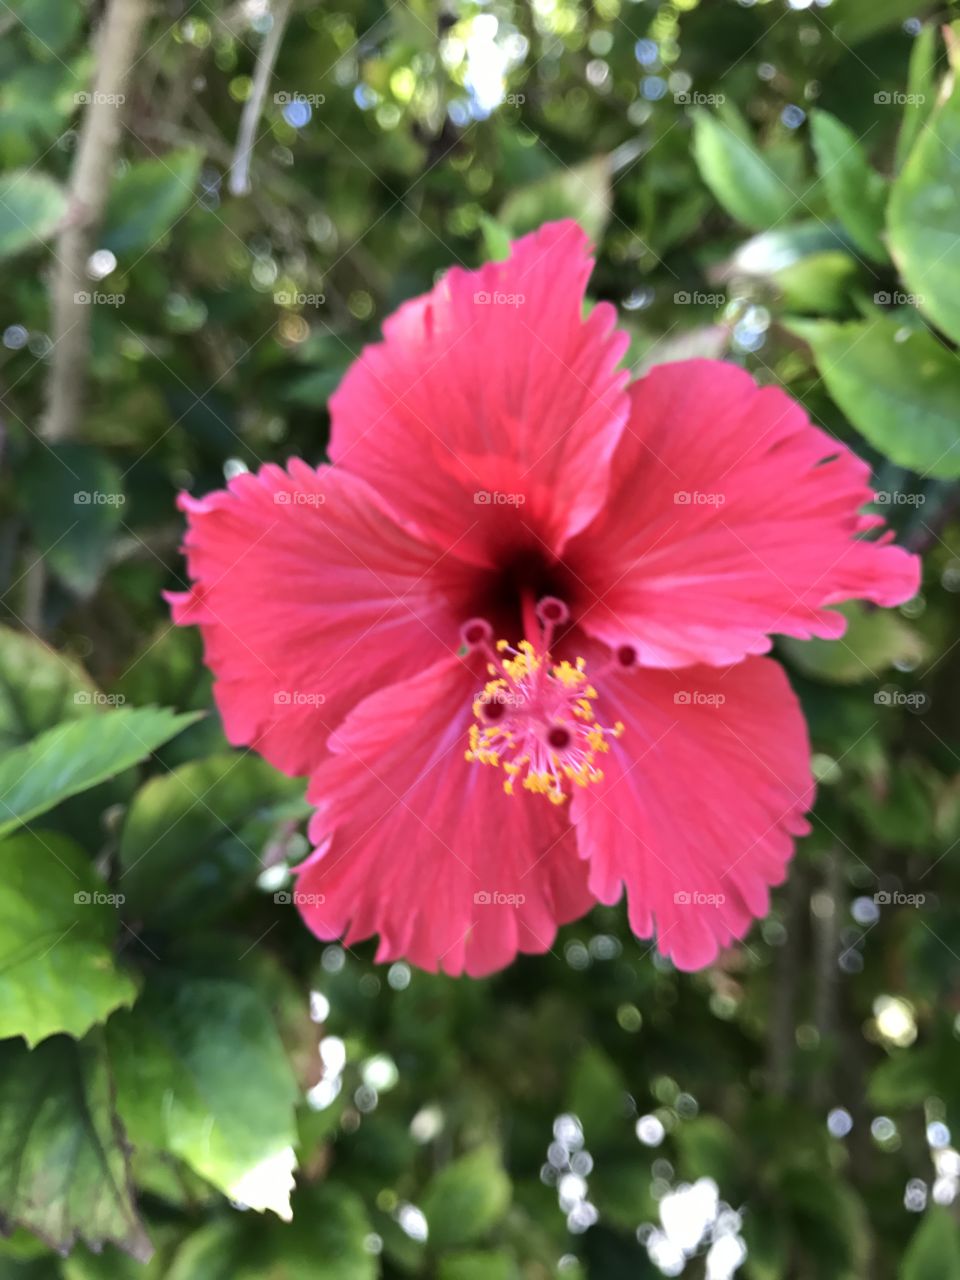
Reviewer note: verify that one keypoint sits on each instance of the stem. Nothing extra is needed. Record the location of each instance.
(239, 181)
(826, 972)
(782, 1023)
(118, 40)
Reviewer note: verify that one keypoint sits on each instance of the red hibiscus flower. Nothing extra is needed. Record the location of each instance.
(512, 632)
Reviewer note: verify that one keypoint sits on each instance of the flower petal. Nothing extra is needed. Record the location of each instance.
(700, 801)
(731, 518)
(309, 596)
(491, 402)
(425, 849)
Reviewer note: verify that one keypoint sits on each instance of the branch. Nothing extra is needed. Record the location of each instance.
(117, 43)
(239, 180)
(782, 1019)
(828, 914)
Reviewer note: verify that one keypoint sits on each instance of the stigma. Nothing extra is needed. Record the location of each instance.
(535, 717)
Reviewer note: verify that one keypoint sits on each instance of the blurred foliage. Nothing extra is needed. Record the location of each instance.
(776, 183)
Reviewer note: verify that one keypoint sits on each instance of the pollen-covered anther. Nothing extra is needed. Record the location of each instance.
(535, 720)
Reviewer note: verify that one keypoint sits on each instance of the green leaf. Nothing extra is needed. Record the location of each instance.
(215, 1252)
(489, 1265)
(856, 192)
(738, 174)
(830, 1220)
(72, 498)
(820, 283)
(51, 23)
(811, 263)
(581, 191)
(466, 1198)
(193, 838)
(148, 199)
(934, 1249)
(921, 90)
(598, 1097)
(708, 1147)
(57, 925)
(201, 1073)
(327, 1240)
(856, 20)
(63, 1155)
(874, 641)
(31, 206)
(38, 688)
(772, 251)
(898, 386)
(922, 218)
(496, 239)
(77, 755)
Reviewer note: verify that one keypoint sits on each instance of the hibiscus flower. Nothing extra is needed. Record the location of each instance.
(513, 633)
